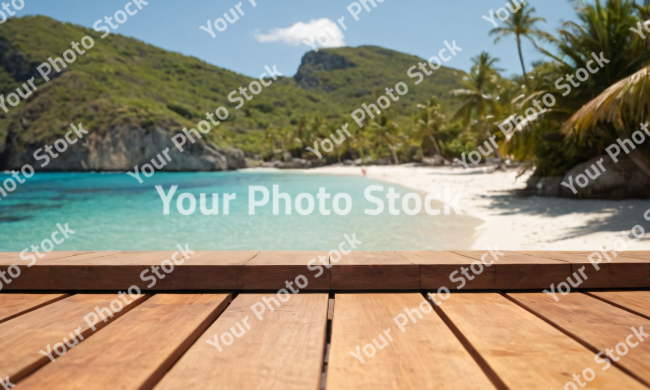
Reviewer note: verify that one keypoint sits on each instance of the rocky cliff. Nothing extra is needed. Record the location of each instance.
(120, 149)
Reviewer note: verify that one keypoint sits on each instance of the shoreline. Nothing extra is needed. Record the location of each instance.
(508, 221)
(518, 223)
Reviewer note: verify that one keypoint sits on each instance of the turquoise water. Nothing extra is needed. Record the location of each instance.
(112, 211)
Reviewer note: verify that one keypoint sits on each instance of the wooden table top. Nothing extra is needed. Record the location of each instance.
(309, 320)
(317, 340)
(356, 271)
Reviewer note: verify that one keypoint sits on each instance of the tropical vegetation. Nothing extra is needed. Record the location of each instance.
(450, 113)
(610, 104)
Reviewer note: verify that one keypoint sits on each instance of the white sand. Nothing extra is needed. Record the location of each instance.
(519, 223)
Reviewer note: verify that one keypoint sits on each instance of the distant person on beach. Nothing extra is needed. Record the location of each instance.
(363, 172)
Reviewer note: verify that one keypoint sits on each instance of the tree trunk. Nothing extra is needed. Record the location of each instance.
(521, 58)
(497, 154)
(437, 147)
(435, 144)
(392, 150)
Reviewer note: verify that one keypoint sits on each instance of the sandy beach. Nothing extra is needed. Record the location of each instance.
(519, 223)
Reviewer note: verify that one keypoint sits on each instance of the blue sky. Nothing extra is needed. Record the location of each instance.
(416, 27)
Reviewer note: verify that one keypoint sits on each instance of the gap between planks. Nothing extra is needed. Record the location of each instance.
(576, 338)
(485, 367)
(328, 339)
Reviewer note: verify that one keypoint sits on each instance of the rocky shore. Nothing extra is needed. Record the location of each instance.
(622, 180)
(120, 149)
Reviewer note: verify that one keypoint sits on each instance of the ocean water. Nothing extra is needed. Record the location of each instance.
(112, 211)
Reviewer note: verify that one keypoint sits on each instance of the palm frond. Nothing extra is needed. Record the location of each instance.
(629, 97)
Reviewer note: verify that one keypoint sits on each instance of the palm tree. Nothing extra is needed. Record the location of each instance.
(479, 99)
(622, 105)
(290, 141)
(613, 99)
(644, 11)
(604, 29)
(521, 24)
(270, 140)
(556, 141)
(429, 124)
(331, 129)
(477, 94)
(385, 132)
(360, 140)
(300, 136)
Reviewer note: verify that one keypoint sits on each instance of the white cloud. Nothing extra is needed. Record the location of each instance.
(300, 31)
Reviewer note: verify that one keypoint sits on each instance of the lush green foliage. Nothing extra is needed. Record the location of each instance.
(604, 27)
(125, 82)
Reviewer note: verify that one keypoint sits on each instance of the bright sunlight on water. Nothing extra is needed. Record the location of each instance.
(115, 212)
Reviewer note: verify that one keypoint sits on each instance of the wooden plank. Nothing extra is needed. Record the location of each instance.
(615, 275)
(525, 351)
(33, 279)
(637, 302)
(515, 271)
(620, 272)
(137, 350)
(579, 256)
(426, 355)
(14, 305)
(567, 256)
(641, 255)
(596, 324)
(374, 270)
(14, 257)
(39, 275)
(436, 269)
(283, 351)
(270, 270)
(23, 337)
(202, 270)
(251, 270)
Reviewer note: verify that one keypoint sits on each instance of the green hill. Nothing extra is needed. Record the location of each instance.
(122, 83)
(355, 75)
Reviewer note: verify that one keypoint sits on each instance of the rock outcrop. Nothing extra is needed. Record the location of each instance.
(120, 149)
(622, 180)
(313, 62)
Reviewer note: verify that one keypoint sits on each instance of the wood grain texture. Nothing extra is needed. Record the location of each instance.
(23, 337)
(135, 351)
(523, 350)
(39, 275)
(14, 305)
(284, 351)
(619, 257)
(426, 356)
(517, 271)
(436, 269)
(270, 270)
(8, 258)
(635, 301)
(253, 270)
(617, 272)
(615, 275)
(120, 270)
(596, 324)
(641, 255)
(374, 270)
